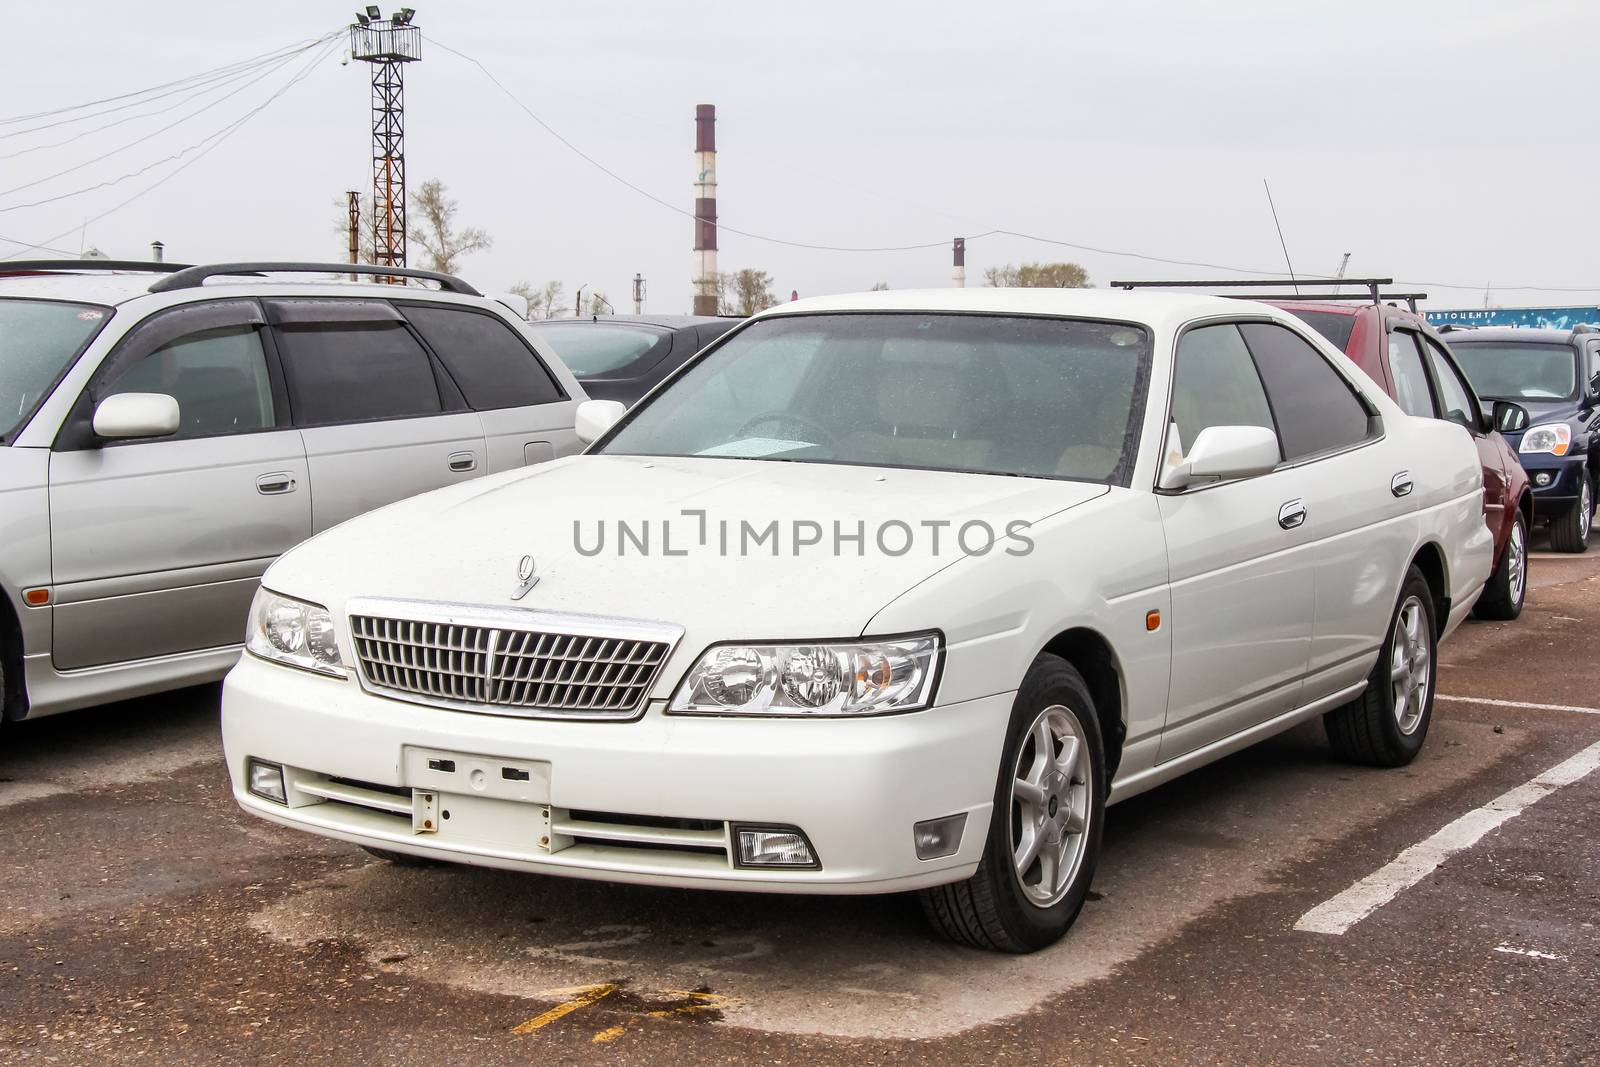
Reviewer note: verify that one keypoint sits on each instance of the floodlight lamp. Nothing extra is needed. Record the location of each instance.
(373, 13)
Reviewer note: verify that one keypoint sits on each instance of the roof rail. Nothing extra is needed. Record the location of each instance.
(1373, 286)
(193, 277)
(29, 266)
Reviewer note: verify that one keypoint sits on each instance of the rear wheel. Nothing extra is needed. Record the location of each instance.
(1569, 531)
(1502, 598)
(1044, 834)
(1386, 725)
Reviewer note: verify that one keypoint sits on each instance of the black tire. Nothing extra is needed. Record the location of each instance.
(1508, 586)
(399, 859)
(1569, 531)
(991, 910)
(1368, 729)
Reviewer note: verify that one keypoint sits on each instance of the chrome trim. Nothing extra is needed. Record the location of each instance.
(496, 622)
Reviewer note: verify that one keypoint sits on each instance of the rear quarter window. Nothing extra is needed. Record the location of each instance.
(491, 364)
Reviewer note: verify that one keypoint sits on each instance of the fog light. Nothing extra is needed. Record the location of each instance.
(266, 780)
(1542, 479)
(939, 837)
(774, 848)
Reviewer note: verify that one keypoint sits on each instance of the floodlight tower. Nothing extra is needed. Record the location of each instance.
(387, 44)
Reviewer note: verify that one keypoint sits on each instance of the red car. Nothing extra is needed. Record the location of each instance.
(1404, 355)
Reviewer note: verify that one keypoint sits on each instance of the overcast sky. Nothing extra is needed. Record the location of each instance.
(1438, 141)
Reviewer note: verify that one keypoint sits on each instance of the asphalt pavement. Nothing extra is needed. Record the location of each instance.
(143, 918)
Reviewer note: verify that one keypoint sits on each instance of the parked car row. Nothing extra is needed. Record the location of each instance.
(878, 593)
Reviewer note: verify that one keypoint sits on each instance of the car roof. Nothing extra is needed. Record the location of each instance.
(670, 322)
(1169, 309)
(114, 288)
(1526, 334)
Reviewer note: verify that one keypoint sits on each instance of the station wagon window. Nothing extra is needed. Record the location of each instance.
(1454, 398)
(218, 377)
(1214, 383)
(1411, 390)
(355, 372)
(1317, 410)
(491, 364)
(38, 340)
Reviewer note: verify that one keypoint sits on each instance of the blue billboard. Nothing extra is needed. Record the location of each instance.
(1554, 318)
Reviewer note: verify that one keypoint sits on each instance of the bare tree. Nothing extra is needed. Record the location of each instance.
(544, 302)
(434, 216)
(880, 287)
(744, 292)
(599, 304)
(1039, 276)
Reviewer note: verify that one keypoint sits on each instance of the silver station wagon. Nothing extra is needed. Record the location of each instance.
(167, 432)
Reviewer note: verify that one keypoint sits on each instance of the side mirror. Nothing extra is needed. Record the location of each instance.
(135, 415)
(1223, 452)
(1509, 417)
(595, 417)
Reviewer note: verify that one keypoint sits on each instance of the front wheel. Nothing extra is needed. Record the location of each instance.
(1569, 531)
(1386, 725)
(1044, 833)
(1502, 598)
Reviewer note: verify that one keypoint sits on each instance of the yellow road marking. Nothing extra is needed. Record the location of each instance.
(608, 1035)
(698, 1002)
(586, 995)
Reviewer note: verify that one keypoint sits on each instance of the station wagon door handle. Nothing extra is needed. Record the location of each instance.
(1292, 514)
(463, 461)
(1400, 484)
(275, 484)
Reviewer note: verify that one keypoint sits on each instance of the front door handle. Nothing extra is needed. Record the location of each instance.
(275, 484)
(461, 462)
(1400, 484)
(1292, 514)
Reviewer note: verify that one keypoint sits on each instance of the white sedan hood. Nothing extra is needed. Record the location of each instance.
(463, 544)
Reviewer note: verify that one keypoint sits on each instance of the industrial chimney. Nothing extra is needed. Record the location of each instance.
(705, 209)
(958, 271)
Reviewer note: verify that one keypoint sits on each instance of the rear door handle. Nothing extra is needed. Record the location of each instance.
(1400, 484)
(463, 461)
(1292, 514)
(275, 484)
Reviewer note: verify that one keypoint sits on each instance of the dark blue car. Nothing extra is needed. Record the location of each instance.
(1555, 375)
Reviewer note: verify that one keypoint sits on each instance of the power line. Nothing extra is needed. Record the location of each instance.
(271, 70)
(221, 71)
(230, 131)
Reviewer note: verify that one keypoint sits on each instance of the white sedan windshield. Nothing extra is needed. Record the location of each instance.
(1044, 397)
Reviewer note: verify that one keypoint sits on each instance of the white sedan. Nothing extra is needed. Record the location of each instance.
(884, 592)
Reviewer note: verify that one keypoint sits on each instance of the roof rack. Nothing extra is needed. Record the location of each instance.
(30, 266)
(193, 277)
(1374, 287)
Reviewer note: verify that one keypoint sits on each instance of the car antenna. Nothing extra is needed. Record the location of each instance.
(1281, 241)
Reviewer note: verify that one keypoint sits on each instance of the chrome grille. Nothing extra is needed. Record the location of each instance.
(507, 666)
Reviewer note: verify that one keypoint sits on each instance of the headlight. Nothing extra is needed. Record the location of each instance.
(1554, 438)
(813, 678)
(293, 632)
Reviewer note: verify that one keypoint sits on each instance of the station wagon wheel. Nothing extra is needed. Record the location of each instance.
(1043, 840)
(1049, 818)
(1508, 586)
(1387, 724)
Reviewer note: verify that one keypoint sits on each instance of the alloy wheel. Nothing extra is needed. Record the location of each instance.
(1516, 563)
(1585, 508)
(1050, 806)
(1410, 662)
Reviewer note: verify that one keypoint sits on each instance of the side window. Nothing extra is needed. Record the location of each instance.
(491, 364)
(1455, 399)
(1411, 390)
(218, 377)
(1214, 383)
(1316, 408)
(356, 372)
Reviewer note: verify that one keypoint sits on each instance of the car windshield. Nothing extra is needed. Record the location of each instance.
(1330, 324)
(1042, 397)
(592, 350)
(1518, 370)
(38, 339)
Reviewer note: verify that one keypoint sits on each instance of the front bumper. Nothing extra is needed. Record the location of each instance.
(1560, 475)
(651, 801)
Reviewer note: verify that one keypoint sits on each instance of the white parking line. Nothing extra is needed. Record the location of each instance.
(1339, 914)
(1533, 953)
(1518, 704)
